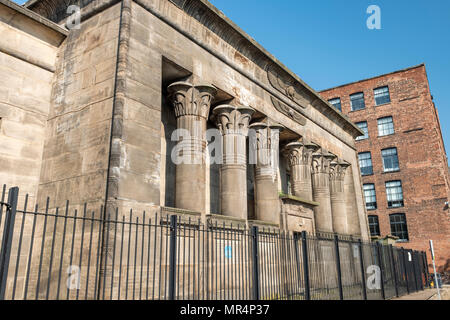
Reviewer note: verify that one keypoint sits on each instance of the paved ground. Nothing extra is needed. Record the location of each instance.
(427, 294)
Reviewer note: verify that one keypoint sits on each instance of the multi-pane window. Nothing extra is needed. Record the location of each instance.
(398, 226)
(336, 102)
(390, 159)
(369, 196)
(363, 126)
(394, 194)
(381, 95)
(357, 101)
(385, 126)
(365, 163)
(374, 226)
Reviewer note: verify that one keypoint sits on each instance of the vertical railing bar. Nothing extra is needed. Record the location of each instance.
(305, 266)
(119, 296)
(227, 261)
(338, 265)
(172, 258)
(100, 224)
(51, 254)
(116, 221)
(89, 256)
(7, 238)
(363, 272)
(216, 259)
(189, 260)
(184, 258)
(72, 244)
(166, 259)
(128, 254)
(81, 246)
(135, 257)
(154, 255)
(193, 262)
(199, 267)
(62, 248)
(142, 254)
(30, 253)
(178, 260)
(380, 259)
(42, 250)
(105, 255)
(391, 250)
(148, 254)
(20, 244)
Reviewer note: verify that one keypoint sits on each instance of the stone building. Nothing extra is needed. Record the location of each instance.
(402, 158)
(88, 112)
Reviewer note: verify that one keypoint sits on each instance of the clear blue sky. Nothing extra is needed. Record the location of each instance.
(327, 42)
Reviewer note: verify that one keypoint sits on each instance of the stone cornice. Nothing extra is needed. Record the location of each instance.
(36, 17)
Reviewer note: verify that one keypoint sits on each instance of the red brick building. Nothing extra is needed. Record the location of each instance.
(402, 158)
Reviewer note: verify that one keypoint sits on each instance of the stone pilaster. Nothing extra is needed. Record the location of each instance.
(337, 194)
(191, 103)
(321, 190)
(266, 154)
(233, 124)
(300, 159)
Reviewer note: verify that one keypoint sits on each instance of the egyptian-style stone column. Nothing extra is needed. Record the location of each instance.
(300, 160)
(266, 152)
(191, 103)
(337, 192)
(321, 190)
(233, 124)
(353, 223)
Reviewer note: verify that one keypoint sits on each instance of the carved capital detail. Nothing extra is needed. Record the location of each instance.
(337, 170)
(265, 146)
(233, 119)
(321, 162)
(300, 153)
(189, 99)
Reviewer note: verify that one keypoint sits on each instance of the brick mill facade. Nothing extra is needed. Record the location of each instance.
(402, 158)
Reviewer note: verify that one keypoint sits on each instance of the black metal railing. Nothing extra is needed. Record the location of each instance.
(78, 253)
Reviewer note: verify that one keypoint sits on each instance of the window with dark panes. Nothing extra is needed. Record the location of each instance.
(398, 226)
(336, 102)
(374, 226)
(390, 159)
(357, 101)
(381, 95)
(394, 193)
(369, 196)
(385, 126)
(363, 126)
(365, 163)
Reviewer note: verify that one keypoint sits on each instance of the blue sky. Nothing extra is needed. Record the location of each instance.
(327, 42)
